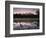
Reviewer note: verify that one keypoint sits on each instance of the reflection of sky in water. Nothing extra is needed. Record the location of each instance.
(23, 23)
(26, 24)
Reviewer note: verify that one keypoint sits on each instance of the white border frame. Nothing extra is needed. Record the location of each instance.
(25, 31)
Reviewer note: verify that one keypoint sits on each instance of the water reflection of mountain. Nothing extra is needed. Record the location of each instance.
(25, 19)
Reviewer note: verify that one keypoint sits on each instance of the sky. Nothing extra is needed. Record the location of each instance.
(25, 11)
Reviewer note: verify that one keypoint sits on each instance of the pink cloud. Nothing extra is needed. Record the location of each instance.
(25, 11)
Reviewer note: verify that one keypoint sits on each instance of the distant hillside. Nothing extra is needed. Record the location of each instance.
(25, 16)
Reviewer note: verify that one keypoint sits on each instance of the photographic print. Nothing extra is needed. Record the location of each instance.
(24, 18)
